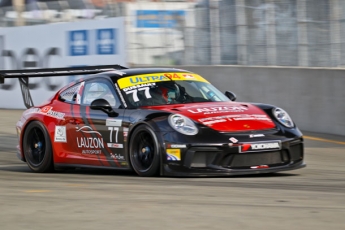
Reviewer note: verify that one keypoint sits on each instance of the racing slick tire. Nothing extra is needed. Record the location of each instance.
(144, 151)
(37, 148)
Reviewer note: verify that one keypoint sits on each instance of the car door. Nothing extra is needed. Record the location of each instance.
(100, 137)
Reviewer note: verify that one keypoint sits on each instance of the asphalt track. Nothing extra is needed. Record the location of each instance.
(308, 198)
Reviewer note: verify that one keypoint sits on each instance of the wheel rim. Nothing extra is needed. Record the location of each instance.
(143, 151)
(36, 147)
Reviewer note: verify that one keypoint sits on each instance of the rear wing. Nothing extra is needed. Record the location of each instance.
(24, 75)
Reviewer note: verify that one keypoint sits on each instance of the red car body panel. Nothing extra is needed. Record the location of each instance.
(223, 116)
(66, 152)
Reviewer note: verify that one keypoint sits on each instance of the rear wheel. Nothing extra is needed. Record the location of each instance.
(37, 148)
(144, 151)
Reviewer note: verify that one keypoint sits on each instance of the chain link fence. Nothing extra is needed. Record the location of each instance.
(212, 32)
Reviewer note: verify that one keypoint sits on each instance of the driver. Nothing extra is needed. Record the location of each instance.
(170, 92)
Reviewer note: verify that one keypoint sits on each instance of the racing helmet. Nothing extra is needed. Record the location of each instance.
(170, 91)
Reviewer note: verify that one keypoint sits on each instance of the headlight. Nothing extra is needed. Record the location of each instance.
(182, 124)
(283, 117)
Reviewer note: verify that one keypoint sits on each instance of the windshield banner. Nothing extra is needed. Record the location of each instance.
(158, 77)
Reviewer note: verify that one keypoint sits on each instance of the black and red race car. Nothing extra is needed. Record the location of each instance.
(155, 121)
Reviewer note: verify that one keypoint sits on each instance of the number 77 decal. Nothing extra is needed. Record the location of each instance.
(135, 93)
(111, 133)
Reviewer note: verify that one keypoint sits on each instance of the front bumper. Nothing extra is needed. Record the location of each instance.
(225, 160)
(168, 171)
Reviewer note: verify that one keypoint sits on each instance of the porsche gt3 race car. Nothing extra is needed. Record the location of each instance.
(155, 121)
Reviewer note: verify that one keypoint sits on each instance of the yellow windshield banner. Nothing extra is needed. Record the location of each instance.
(158, 77)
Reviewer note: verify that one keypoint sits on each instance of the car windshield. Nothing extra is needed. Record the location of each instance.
(162, 89)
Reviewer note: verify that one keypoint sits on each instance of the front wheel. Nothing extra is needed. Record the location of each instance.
(37, 148)
(144, 151)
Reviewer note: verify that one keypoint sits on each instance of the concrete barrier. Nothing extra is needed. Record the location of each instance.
(314, 97)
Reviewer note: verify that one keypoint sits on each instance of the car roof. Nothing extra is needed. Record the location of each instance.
(117, 74)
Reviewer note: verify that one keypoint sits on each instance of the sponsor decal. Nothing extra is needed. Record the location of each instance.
(117, 156)
(260, 146)
(172, 76)
(256, 135)
(60, 134)
(89, 142)
(48, 111)
(233, 140)
(158, 77)
(87, 129)
(139, 86)
(235, 117)
(125, 132)
(188, 76)
(113, 122)
(213, 122)
(260, 167)
(176, 146)
(249, 117)
(91, 151)
(173, 154)
(114, 145)
(144, 79)
(219, 109)
(121, 96)
(80, 92)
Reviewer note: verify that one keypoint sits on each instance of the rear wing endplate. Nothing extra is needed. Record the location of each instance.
(24, 75)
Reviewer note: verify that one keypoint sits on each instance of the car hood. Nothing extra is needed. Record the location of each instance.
(223, 116)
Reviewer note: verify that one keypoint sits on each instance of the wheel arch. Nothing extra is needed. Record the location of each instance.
(25, 130)
(159, 137)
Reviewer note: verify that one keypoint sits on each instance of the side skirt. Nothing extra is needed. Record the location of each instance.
(76, 166)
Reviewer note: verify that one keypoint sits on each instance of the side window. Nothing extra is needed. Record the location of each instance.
(72, 94)
(95, 90)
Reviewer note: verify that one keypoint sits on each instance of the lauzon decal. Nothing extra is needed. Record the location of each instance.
(252, 147)
(219, 109)
(90, 142)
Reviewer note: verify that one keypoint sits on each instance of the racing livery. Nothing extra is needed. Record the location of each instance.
(155, 121)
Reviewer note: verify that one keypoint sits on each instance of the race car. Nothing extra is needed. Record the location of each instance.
(154, 121)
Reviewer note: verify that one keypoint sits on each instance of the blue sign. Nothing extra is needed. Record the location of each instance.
(78, 42)
(106, 41)
(160, 18)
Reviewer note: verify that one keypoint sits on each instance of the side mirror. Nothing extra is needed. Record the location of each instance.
(230, 95)
(102, 104)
